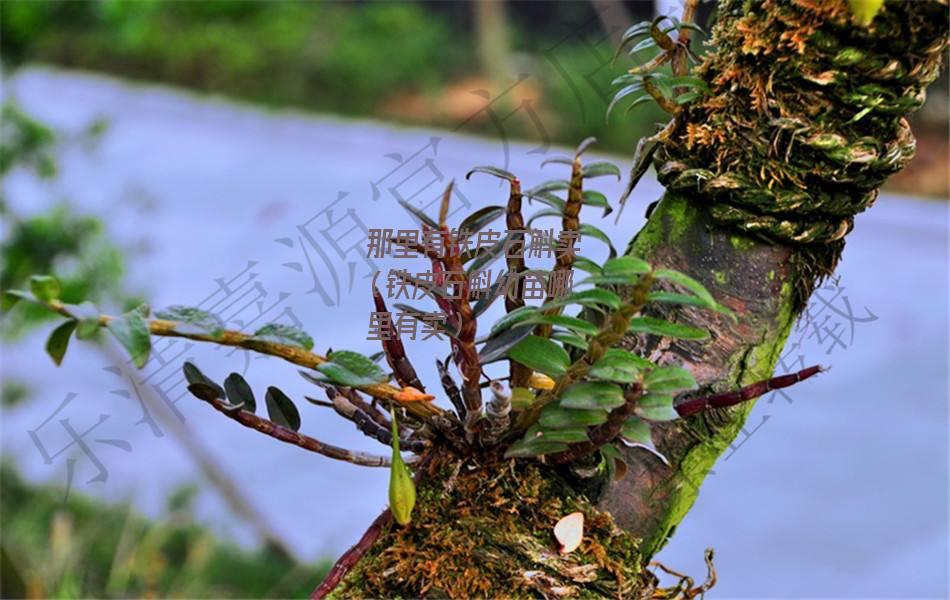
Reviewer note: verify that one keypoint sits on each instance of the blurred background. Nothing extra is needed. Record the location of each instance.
(232, 155)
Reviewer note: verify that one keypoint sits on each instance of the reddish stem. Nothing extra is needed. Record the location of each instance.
(696, 405)
(352, 556)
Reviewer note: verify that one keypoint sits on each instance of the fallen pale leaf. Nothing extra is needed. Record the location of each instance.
(569, 532)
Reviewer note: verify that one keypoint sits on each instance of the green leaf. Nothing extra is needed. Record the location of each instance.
(550, 199)
(351, 369)
(142, 309)
(558, 417)
(560, 160)
(527, 448)
(610, 280)
(666, 329)
(690, 284)
(88, 316)
(23, 295)
(619, 365)
(688, 97)
(357, 363)
(45, 287)
(194, 376)
(595, 297)
(521, 398)
(592, 198)
(637, 431)
(239, 392)
(418, 214)
(642, 158)
(549, 186)
(516, 316)
(684, 299)
(691, 82)
(592, 396)
(547, 212)
(572, 323)
(281, 409)
(499, 344)
(485, 300)
(570, 339)
(500, 173)
(58, 341)
(584, 145)
(582, 263)
(626, 266)
(641, 100)
(571, 435)
(599, 169)
(656, 407)
(642, 28)
(284, 334)
(131, 331)
(643, 45)
(477, 220)
(668, 379)
(402, 490)
(541, 354)
(485, 258)
(692, 27)
(586, 229)
(204, 392)
(623, 93)
(193, 320)
(662, 81)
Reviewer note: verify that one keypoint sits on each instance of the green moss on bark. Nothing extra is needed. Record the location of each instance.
(487, 530)
(804, 121)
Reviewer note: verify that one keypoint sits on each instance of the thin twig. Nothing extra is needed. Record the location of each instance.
(215, 473)
(279, 432)
(366, 425)
(352, 556)
(296, 355)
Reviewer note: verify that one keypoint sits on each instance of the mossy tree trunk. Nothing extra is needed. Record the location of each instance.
(764, 175)
(763, 180)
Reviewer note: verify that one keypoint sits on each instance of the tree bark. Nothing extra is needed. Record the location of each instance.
(764, 178)
(804, 121)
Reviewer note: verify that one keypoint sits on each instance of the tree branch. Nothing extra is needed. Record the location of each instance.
(296, 355)
(279, 432)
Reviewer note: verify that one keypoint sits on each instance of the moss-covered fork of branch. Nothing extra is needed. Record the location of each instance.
(526, 425)
(571, 395)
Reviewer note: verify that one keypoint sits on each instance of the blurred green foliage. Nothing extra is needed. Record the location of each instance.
(327, 56)
(80, 548)
(342, 57)
(75, 247)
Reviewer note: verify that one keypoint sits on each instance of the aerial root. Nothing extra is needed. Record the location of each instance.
(685, 587)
